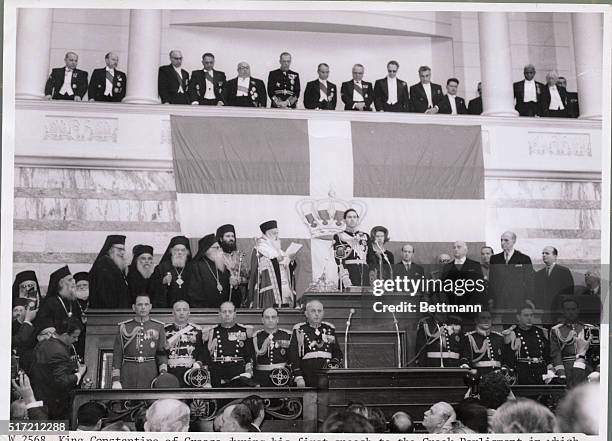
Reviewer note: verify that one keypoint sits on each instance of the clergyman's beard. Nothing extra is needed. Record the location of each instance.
(228, 247)
(179, 261)
(120, 262)
(218, 260)
(144, 270)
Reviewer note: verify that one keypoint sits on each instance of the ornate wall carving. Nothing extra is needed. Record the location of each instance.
(559, 144)
(70, 128)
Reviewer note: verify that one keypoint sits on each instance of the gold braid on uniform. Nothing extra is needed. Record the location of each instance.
(300, 341)
(567, 340)
(432, 337)
(129, 335)
(259, 350)
(480, 351)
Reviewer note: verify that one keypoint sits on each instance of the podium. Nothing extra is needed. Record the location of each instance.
(412, 390)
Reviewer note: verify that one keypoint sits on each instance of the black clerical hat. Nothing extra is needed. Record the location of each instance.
(139, 250)
(269, 225)
(21, 277)
(113, 239)
(205, 243)
(21, 301)
(54, 279)
(227, 228)
(176, 240)
(83, 275)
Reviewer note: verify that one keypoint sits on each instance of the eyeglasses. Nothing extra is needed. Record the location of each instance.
(391, 71)
(177, 58)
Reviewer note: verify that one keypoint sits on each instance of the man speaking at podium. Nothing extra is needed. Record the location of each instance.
(313, 346)
(353, 250)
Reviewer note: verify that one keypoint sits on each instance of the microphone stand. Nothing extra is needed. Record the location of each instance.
(346, 332)
(399, 343)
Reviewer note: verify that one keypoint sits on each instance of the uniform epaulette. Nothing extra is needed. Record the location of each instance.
(298, 325)
(497, 333)
(249, 329)
(257, 332)
(509, 330)
(329, 324)
(196, 326)
(470, 332)
(157, 321)
(285, 330)
(124, 322)
(558, 326)
(544, 331)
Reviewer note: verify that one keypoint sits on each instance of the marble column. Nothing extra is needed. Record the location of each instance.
(495, 64)
(143, 56)
(587, 29)
(33, 48)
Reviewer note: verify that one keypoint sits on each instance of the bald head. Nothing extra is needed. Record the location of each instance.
(314, 312)
(460, 249)
(508, 239)
(401, 422)
(112, 60)
(167, 415)
(244, 69)
(176, 58)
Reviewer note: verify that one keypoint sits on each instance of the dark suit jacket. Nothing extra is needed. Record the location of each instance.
(56, 80)
(381, 95)
(53, 376)
(416, 271)
(545, 101)
(572, 103)
(475, 106)
(347, 94)
(519, 91)
(312, 96)
(257, 94)
(548, 288)
(445, 107)
(97, 85)
(510, 284)
(168, 84)
(418, 98)
(197, 86)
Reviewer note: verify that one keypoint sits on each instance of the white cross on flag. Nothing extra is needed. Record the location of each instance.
(424, 182)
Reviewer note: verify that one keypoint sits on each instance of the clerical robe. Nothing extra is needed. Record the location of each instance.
(270, 283)
(108, 286)
(204, 286)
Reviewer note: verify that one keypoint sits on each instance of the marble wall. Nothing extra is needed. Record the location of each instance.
(62, 215)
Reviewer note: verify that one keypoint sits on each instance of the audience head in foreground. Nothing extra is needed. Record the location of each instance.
(578, 411)
(167, 415)
(401, 422)
(347, 422)
(523, 416)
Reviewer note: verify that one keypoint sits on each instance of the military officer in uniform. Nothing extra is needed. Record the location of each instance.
(230, 345)
(139, 353)
(271, 351)
(68, 82)
(568, 359)
(284, 84)
(353, 250)
(108, 83)
(530, 345)
(184, 344)
(313, 346)
(438, 343)
(483, 349)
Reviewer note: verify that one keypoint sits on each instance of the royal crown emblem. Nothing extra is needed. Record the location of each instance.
(325, 217)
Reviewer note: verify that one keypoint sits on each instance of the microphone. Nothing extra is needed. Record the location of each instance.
(399, 342)
(384, 255)
(346, 331)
